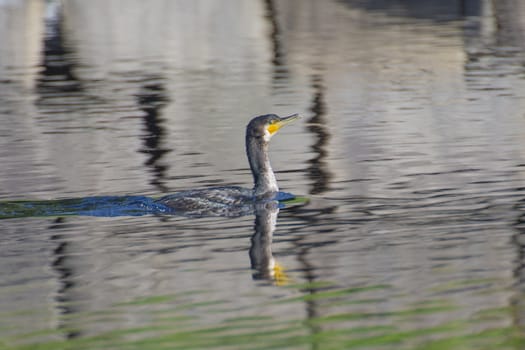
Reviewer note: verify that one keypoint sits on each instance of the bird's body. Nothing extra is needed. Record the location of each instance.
(234, 200)
(214, 201)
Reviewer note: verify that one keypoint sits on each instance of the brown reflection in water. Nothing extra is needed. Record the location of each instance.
(152, 99)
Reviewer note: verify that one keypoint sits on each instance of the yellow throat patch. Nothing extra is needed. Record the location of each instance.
(273, 128)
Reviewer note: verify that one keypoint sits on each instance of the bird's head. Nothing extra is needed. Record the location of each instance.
(265, 126)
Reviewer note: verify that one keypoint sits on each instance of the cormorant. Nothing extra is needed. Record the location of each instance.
(234, 200)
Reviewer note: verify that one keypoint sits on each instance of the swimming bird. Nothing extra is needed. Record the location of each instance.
(235, 200)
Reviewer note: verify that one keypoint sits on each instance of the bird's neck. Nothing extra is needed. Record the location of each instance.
(263, 176)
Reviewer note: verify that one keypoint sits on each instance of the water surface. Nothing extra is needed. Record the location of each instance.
(410, 150)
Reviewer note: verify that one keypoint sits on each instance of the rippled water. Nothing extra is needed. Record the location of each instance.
(411, 152)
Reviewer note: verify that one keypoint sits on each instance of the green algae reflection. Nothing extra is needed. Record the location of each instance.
(173, 326)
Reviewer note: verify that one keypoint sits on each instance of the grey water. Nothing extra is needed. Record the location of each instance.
(410, 152)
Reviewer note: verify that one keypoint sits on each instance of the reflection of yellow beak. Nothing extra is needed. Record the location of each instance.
(280, 277)
(273, 128)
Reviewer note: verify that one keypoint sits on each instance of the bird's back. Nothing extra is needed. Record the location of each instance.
(215, 201)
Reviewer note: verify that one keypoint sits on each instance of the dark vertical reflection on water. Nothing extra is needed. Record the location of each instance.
(311, 304)
(57, 74)
(493, 57)
(517, 301)
(510, 29)
(317, 171)
(281, 73)
(65, 277)
(152, 99)
(280, 70)
(57, 78)
(320, 176)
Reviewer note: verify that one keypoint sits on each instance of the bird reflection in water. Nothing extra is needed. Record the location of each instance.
(263, 263)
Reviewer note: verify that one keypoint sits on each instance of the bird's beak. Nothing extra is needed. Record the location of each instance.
(289, 119)
(273, 128)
